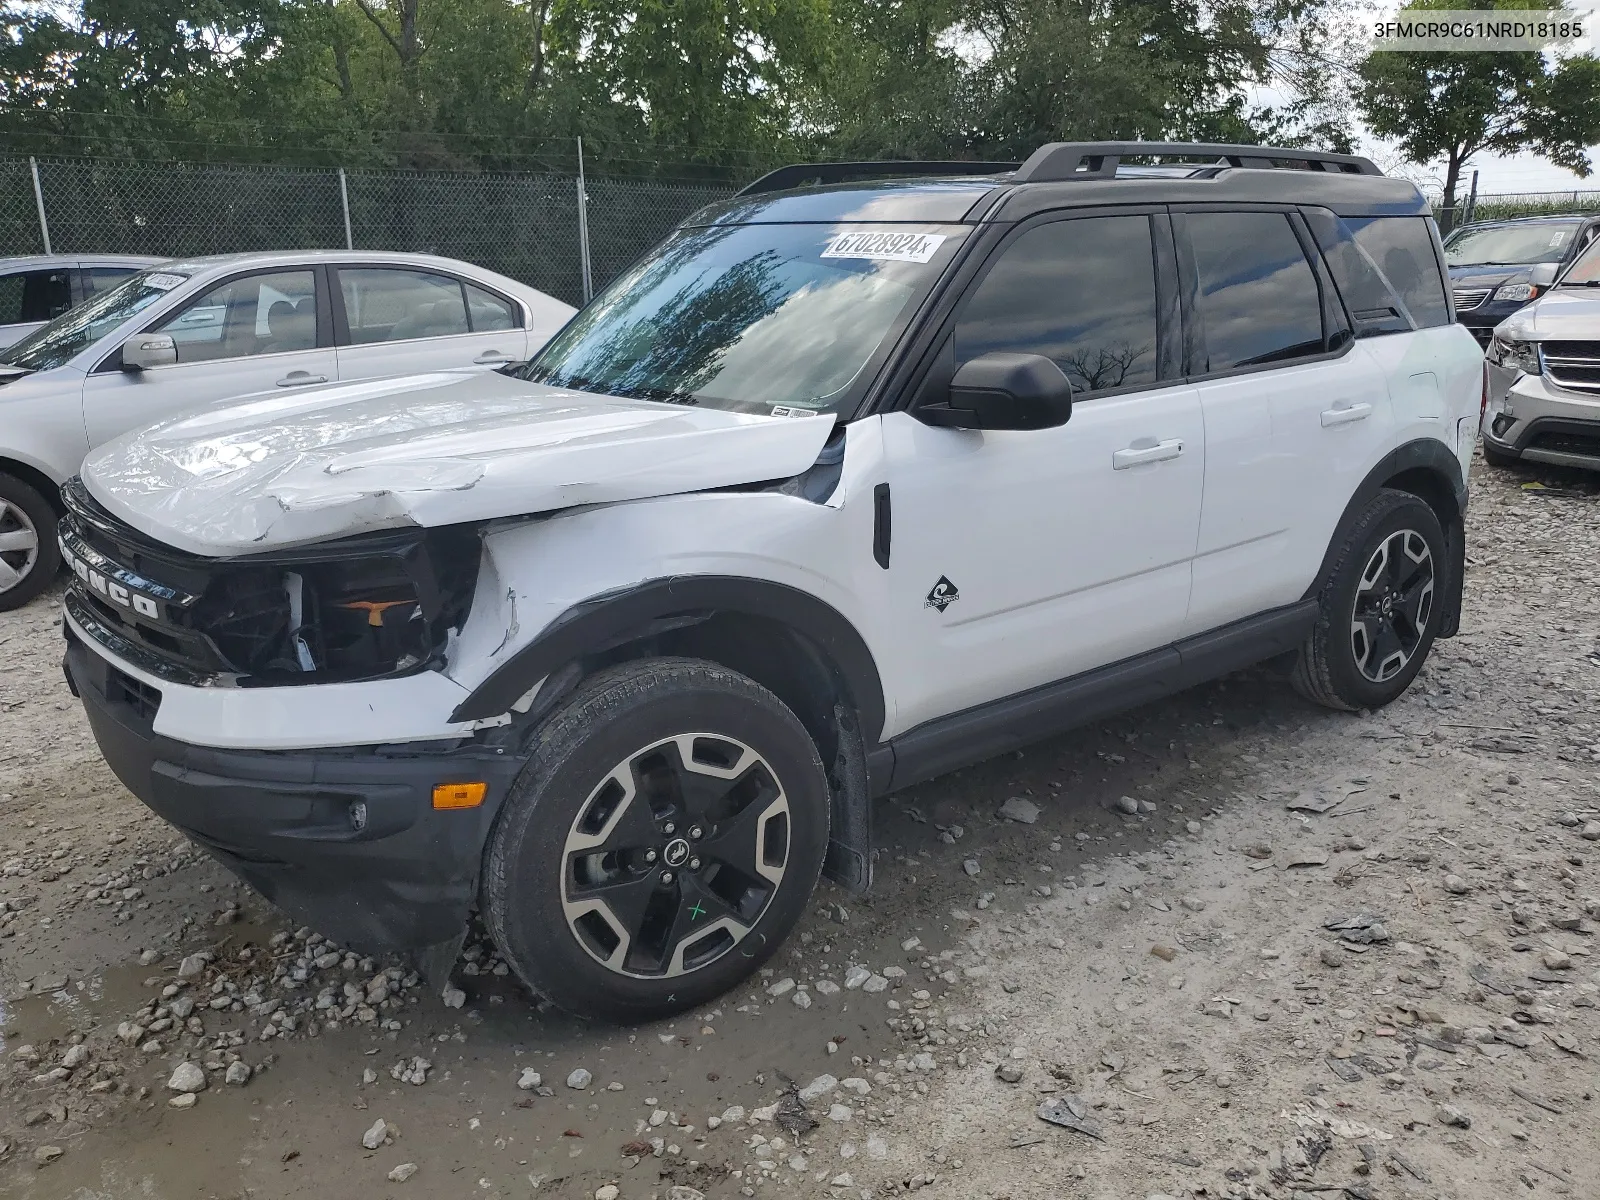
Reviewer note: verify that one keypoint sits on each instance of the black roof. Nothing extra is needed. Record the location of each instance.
(1066, 174)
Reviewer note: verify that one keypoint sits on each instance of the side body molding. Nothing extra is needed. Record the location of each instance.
(612, 618)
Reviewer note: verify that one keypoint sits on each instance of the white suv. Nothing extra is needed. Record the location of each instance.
(841, 487)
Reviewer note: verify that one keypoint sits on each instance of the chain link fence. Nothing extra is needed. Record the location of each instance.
(1498, 206)
(524, 226)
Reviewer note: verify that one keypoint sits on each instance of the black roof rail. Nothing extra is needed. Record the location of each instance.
(799, 174)
(1098, 160)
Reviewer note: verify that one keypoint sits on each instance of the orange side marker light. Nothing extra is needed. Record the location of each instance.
(459, 795)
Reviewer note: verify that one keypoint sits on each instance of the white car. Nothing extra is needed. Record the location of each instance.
(40, 287)
(840, 488)
(193, 332)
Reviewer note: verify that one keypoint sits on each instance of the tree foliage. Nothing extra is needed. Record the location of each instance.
(651, 85)
(1452, 106)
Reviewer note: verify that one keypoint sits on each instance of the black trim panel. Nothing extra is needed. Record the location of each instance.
(611, 619)
(947, 743)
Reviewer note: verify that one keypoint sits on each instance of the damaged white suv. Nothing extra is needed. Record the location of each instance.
(843, 486)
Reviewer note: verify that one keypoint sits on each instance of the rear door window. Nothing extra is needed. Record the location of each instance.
(489, 312)
(29, 296)
(1258, 297)
(1081, 292)
(387, 304)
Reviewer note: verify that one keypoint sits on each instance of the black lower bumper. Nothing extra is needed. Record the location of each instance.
(346, 841)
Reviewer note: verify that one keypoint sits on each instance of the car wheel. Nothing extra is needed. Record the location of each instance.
(661, 842)
(1499, 458)
(1381, 606)
(29, 555)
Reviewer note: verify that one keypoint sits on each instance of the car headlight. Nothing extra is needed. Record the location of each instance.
(1516, 291)
(1521, 356)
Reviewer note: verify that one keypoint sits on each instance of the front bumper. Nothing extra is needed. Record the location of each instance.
(1528, 418)
(345, 840)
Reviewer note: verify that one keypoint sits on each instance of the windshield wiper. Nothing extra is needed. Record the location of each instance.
(12, 371)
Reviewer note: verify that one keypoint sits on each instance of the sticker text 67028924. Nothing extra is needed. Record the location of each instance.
(884, 247)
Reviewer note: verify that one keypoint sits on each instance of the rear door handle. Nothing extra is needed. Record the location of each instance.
(300, 379)
(1146, 450)
(491, 357)
(1345, 415)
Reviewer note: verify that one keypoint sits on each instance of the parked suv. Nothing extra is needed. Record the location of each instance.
(841, 487)
(1544, 375)
(1496, 267)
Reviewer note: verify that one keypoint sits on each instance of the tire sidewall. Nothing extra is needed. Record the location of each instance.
(48, 561)
(577, 749)
(1404, 513)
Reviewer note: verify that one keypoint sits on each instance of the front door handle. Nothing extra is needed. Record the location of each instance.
(1345, 415)
(300, 379)
(1146, 450)
(491, 357)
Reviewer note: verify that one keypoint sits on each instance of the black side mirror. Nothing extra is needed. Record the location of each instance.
(1003, 391)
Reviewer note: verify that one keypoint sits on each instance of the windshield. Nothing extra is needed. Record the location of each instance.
(1510, 245)
(62, 339)
(775, 319)
(1586, 271)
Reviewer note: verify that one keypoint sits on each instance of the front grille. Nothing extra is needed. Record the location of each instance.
(1470, 297)
(1585, 444)
(1573, 365)
(360, 608)
(144, 699)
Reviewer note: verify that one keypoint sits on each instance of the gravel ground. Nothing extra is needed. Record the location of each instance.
(1227, 945)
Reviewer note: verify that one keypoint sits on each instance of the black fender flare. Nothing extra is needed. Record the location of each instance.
(1430, 457)
(613, 618)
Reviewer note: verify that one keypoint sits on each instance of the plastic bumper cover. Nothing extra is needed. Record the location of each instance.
(344, 840)
(1528, 418)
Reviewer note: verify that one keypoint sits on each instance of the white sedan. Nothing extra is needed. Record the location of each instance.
(189, 333)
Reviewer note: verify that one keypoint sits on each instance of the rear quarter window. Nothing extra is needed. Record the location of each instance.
(1386, 269)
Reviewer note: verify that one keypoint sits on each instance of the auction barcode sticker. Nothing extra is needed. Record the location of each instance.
(885, 247)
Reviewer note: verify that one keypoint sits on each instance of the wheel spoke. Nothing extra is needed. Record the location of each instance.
(19, 539)
(1388, 655)
(675, 855)
(9, 576)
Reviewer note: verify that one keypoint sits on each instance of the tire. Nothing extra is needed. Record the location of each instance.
(732, 780)
(1499, 458)
(1363, 658)
(29, 554)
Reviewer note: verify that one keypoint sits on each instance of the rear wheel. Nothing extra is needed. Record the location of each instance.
(1381, 606)
(661, 843)
(29, 555)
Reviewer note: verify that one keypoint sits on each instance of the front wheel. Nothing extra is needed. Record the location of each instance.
(1381, 606)
(661, 842)
(29, 555)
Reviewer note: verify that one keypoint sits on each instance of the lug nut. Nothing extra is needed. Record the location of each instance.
(696, 832)
(669, 827)
(694, 864)
(649, 856)
(666, 877)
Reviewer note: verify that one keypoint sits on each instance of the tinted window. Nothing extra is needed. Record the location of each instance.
(34, 296)
(1258, 296)
(1374, 306)
(488, 311)
(103, 279)
(1402, 247)
(1080, 292)
(388, 305)
(259, 314)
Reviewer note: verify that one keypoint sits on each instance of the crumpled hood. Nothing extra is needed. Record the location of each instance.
(272, 470)
(1564, 314)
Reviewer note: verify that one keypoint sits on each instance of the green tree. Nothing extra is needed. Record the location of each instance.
(1452, 106)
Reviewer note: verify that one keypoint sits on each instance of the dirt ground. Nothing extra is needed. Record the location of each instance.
(1324, 956)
